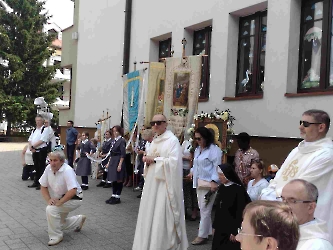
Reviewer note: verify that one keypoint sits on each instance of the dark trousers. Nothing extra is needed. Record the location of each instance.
(27, 172)
(84, 180)
(141, 182)
(70, 154)
(39, 163)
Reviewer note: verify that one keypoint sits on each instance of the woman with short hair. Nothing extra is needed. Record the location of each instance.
(268, 225)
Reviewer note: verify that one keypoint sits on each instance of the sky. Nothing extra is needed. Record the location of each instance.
(62, 12)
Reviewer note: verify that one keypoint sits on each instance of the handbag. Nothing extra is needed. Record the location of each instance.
(203, 184)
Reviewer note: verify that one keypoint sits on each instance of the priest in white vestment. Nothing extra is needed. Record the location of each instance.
(312, 161)
(161, 220)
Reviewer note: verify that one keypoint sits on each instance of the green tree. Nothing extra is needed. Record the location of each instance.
(24, 48)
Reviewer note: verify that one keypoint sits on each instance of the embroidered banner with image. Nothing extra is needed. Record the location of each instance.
(183, 76)
(133, 91)
(155, 88)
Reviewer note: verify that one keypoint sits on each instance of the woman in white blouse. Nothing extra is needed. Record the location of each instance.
(258, 183)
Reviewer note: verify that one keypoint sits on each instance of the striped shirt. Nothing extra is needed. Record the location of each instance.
(205, 164)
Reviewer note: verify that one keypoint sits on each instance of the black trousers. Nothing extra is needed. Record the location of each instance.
(70, 154)
(39, 163)
(27, 172)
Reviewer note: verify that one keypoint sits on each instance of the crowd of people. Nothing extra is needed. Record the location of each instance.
(244, 205)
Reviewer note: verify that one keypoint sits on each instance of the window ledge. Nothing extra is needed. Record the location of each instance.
(308, 94)
(240, 98)
(204, 99)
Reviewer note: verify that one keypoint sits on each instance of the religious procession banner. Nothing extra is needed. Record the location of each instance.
(155, 88)
(133, 99)
(182, 84)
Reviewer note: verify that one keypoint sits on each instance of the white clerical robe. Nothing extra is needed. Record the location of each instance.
(161, 220)
(312, 162)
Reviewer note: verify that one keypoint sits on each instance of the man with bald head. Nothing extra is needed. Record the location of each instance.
(161, 221)
(302, 197)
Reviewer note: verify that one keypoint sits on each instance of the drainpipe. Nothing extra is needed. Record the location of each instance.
(127, 36)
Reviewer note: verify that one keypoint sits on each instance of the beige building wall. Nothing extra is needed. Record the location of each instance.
(69, 60)
(100, 52)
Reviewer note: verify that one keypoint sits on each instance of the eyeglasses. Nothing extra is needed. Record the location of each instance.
(152, 123)
(307, 124)
(197, 138)
(240, 232)
(292, 200)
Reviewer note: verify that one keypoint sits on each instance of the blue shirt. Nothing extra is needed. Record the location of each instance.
(205, 164)
(71, 136)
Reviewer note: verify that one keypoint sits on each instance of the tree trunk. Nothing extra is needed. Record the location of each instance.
(9, 128)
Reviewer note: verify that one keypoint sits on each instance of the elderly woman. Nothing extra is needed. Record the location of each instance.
(258, 183)
(268, 225)
(207, 157)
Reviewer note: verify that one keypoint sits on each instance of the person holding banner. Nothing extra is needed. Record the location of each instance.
(107, 145)
(83, 169)
(161, 220)
(116, 165)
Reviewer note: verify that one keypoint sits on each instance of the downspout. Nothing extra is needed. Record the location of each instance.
(127, 45)
(127, 36)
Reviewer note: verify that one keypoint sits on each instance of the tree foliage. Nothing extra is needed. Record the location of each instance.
(24, 48)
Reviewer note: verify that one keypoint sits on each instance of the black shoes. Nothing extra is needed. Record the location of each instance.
(113, 201)
(107, 185)
(34, 185)
(38, 188)
(139, 196)
(101, 184)
(110, 200)
(84, 187)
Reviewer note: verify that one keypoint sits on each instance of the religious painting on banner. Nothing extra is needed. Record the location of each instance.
(181, 95)
(180, 89)
(133, 92)
(155, 88)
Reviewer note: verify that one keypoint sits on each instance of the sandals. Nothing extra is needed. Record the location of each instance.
(199, 241)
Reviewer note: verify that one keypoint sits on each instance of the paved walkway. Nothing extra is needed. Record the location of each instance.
(22, 214)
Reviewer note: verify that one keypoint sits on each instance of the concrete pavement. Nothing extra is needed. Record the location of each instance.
(23, 222)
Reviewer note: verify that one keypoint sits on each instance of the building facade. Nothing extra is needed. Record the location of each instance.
(268, 61)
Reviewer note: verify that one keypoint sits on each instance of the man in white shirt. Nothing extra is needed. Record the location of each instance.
(38, 146)
(311, 160)
(61, 178)
(302, 197)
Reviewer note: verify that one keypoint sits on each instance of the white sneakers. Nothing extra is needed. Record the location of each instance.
(53, 242)
(78, 229)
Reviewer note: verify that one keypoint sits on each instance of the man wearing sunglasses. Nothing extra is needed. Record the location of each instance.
(311, 160)
(302, 197)
(161, 219)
